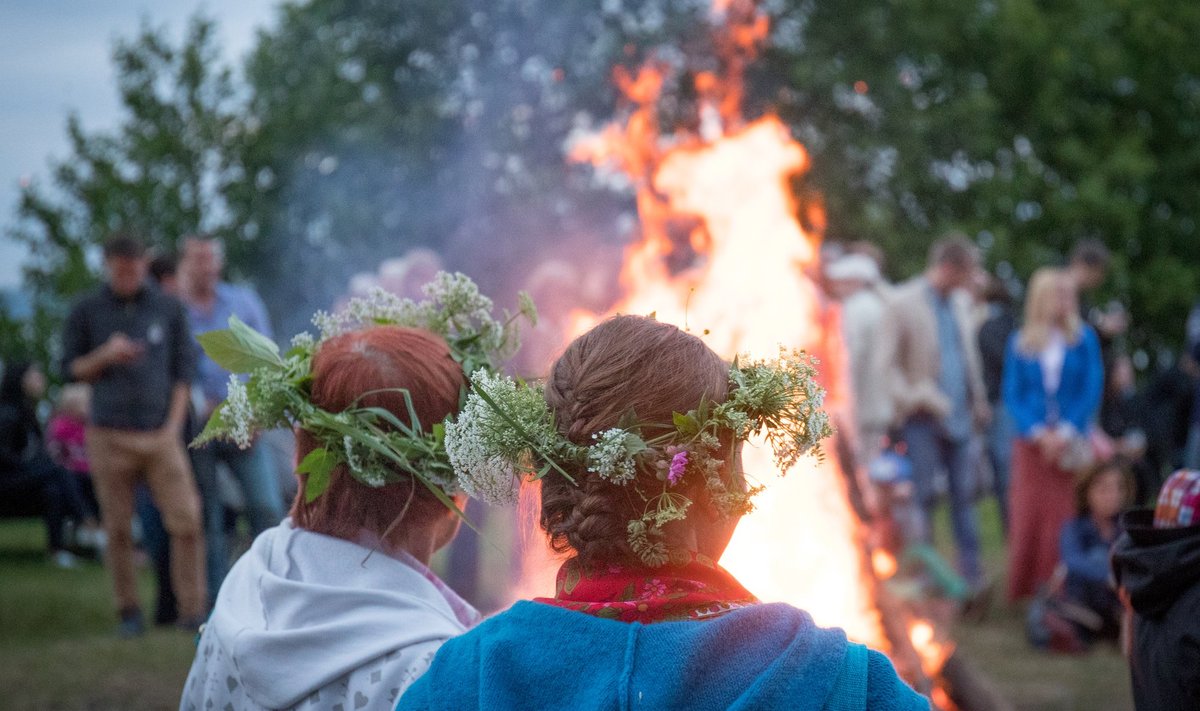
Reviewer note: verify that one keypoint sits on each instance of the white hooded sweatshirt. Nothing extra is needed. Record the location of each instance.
(309, 621)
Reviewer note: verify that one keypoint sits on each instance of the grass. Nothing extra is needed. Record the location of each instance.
(1032, 680)
(58, 647)
(58, 643)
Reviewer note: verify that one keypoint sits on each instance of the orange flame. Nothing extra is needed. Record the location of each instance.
(725, 254)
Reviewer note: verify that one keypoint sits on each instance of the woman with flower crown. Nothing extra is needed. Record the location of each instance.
(336, 606)
(636, 440)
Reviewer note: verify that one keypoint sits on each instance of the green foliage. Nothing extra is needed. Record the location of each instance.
(239, 348)
(161, 174)
(1029, 125)
(366, 127)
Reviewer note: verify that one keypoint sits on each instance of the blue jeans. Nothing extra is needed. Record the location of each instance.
(931, 450)
(999, 447)
(255, 473)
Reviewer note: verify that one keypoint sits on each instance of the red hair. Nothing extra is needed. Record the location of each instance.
(344, 368)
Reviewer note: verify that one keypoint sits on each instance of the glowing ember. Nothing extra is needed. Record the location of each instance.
(933, 653)
(884, 564)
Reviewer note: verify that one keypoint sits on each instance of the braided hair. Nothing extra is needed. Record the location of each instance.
(626, 366)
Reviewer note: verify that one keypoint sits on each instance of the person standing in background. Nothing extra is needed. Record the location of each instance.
(936, 386)
(997, 328)
(1053, 378)
(1192, 351)
(1087, 269)
(855, 280)
(131, 342)
(210, 303)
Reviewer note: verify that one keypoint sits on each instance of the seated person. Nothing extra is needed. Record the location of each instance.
(30, 481)
(637, 445)
(67, 445)
(1157, 566)
(1086, 544)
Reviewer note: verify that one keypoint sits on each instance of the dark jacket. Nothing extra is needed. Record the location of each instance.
(20, 432)
(137, 395)
(993, 346)
(1159, 569)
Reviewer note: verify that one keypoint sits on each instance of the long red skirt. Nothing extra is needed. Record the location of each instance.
(1041, 499)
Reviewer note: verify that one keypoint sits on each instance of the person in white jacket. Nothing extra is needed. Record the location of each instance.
(335, 608)
(856, 281)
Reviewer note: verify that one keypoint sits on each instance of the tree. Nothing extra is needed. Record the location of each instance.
(162, 174)
(1026, 124)
(369, 127)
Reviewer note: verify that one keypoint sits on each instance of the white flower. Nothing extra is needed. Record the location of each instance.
(238, 414)
(352, 460)
(303, 340)
(482, 474)
(328, 324)
(489, 446)
(610, 458)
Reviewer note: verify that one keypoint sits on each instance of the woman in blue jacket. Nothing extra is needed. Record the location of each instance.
(642, 488)
(1053, 380)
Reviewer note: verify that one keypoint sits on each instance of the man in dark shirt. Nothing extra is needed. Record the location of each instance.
(131, 342)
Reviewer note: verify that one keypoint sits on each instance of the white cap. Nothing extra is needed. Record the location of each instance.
(858, 267)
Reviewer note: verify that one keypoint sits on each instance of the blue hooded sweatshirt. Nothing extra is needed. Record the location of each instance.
(537, 656)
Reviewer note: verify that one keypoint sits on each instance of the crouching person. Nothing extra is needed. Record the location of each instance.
(1157, 566)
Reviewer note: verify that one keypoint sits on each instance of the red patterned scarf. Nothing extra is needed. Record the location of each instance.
(697, 590)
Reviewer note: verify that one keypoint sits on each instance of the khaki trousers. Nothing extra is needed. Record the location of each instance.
(119, 458)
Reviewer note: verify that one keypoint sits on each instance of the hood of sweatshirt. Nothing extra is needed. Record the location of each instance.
(301, 609)
(1155, 566)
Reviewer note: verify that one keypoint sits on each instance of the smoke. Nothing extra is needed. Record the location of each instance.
(447, 132)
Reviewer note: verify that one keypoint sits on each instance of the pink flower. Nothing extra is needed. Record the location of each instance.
(679, 463)
(655, 587)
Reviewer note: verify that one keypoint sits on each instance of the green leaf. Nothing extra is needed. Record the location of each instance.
(318, 465)
(213, 429)
(634, 445)
(239, 348)
(687, 424)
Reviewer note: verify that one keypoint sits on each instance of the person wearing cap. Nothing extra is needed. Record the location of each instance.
(131, 343)
(1156, 563)
(855, 280)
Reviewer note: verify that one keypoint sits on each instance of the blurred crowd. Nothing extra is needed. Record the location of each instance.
(111, 472)
(964, 385)
(967, 385)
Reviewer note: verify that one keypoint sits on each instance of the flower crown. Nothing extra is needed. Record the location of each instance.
(506, 433)
(371, 441)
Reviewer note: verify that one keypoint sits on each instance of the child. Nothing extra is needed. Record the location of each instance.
(67, 445)
(1157, 565)
(1085, 545)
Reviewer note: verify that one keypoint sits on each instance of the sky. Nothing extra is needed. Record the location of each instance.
(55, 59)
